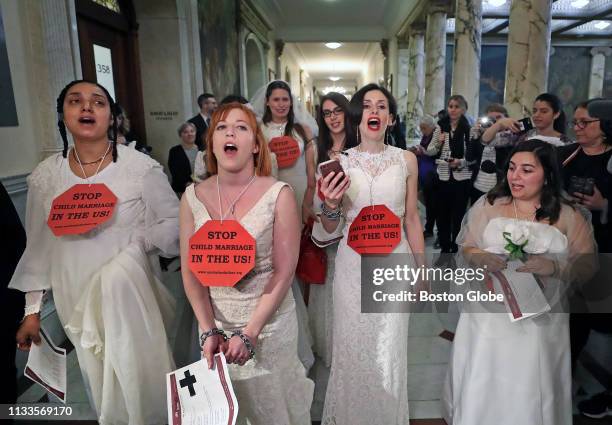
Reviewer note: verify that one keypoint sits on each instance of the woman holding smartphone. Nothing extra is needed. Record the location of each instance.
(368, 380)
(329, 146)
(547, 123)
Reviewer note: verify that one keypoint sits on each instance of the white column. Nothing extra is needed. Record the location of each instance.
(528, 54)
(63, 63)
(416, 82)
(598, 70)
(466, 59)
(435, 56)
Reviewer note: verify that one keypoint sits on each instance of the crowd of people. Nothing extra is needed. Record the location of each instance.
(474, 178)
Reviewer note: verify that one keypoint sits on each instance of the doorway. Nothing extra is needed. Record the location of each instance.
(108, 43)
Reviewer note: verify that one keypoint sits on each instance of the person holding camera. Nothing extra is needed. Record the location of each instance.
(547, 123)
(488, 159)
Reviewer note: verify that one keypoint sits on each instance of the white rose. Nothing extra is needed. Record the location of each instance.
(517, 233)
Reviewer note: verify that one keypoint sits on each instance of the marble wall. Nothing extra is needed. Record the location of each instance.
(219, 46)
(568, 77)
(492, 72)
(607, 87)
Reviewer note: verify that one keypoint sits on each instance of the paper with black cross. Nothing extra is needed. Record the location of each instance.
(202, 396)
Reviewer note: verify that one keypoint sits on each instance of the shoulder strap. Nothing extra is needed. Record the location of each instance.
(571, 157)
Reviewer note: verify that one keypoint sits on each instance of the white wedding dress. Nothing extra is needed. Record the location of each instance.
(509, 373)
(114, 309)
(297, 179)
(272, 388)
(368, 380)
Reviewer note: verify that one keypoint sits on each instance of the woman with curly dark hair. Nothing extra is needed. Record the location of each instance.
(108, 298)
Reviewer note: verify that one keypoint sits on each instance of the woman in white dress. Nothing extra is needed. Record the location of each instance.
(112, 306)
(283, 115)
(332, 119)
(518, 372)
(368, 380)
(259, 311)
(279, 118)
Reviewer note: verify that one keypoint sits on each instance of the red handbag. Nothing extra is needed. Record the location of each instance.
(312, 264)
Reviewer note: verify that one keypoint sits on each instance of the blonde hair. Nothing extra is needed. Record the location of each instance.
(263, 161)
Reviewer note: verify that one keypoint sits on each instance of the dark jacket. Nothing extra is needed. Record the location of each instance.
(180, 168)
(201, 129)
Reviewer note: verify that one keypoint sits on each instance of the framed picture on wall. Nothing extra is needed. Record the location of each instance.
(271, 75)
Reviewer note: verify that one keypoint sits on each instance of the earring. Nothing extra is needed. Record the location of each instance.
(358, 136)
(387, 136)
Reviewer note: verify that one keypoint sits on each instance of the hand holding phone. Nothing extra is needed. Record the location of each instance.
(328, 166)
(525, 124)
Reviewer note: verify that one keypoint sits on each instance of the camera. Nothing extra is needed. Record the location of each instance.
(525, 124)
(584, 185)
(486, 122)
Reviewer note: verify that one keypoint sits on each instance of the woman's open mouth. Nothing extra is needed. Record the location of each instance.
(374, 123)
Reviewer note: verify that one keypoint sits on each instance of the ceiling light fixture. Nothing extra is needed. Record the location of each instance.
(333, 45)
(579, 4)
(602, 25)
(496, 3)
(337, 89)
(334, 78)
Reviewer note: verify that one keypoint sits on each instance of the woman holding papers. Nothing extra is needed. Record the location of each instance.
(368, 380)
(257, 314)
(507, 371)
(98, 216)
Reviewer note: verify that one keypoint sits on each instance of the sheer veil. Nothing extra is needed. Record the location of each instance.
(302, 116)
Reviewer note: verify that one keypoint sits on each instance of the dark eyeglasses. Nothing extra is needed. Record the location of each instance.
(582, 124)
(337, 111)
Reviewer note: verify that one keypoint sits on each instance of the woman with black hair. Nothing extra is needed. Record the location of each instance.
(518, 372)
(332, 119)
(450, 140)
(284, 119)
(587, 180)
(368, 379)
(111, 304)
(283, 115)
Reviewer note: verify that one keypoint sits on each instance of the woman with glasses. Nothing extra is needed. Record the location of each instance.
(584, 170)
(332, 141)
(587, 180)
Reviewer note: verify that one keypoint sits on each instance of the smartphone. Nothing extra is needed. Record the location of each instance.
(525, 124)
(328, 166)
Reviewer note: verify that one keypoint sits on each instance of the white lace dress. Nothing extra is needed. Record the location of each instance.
(514, 373)
(273, 387)
(112, 306)
(368, 381)
(297, 179)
